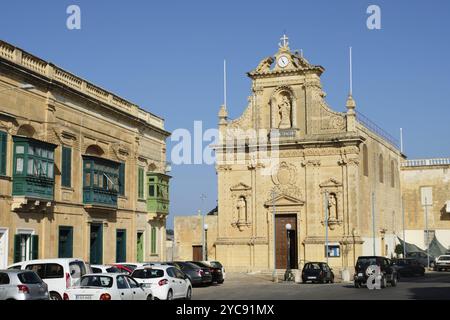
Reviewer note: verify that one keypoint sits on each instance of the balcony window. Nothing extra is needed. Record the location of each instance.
(33, 170)
(158, 193)
(100, 181)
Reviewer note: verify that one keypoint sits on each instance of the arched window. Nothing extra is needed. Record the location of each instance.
(392, 174)
(381, 168)
(365, 161)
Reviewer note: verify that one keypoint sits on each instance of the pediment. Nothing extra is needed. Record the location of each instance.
(331, 183)
(240, 187)
(284, 200)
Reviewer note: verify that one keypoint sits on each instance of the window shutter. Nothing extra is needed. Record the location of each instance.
(140, 183)
(122, 179)
(3, 146)
(34, 247)
(17, 255)
(66, 167)
(153, 244)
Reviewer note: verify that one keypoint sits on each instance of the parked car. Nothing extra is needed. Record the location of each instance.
(196, 274)
(124, 269)
(387, 268)
(216, 264)
(317, 272)
(443, 263)
(216, 272)
(422, 258)
(408, 267)
(22, 285)
(167, 282)
(108, 286)
(58, 274)
(132, 265)
(104, 269)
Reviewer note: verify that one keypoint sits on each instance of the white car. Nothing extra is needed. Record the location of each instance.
(96, 268)
(167, 282)
(58, 274)
(442, 262)
(108, 286)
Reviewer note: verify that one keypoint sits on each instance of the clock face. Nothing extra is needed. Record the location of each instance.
(283, 61)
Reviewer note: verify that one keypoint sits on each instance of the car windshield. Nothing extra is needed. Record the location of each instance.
(77, 269)
(216, 264)
(444, 258)
(113, 270)
(96, 281)
(29, 278)
(188, 266)
(401, 262)
(313, 266)
(147, 273)
(364, 262)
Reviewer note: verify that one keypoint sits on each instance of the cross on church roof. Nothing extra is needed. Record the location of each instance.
(284, 41)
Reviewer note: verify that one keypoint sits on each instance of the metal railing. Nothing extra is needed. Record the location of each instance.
(372, 126)
(426, 162)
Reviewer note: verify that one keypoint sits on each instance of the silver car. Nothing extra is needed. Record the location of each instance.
(22, 285)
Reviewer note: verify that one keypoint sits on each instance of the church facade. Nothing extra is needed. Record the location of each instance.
(315, 184)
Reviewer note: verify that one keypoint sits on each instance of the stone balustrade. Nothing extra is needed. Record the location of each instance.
(426, 162)
(57, 74)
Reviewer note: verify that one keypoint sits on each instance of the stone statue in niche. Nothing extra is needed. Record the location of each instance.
(242, 210)
(284, 112)
(332, 207)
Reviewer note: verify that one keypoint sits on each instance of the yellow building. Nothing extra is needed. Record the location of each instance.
(82, 170)
(320, 171)
(426, 198)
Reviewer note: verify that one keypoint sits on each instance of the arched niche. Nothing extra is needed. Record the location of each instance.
(283, 108)
(94, 150)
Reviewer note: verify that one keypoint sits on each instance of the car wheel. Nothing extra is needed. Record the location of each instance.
(394, 282)
(55, 296)
(149, 297)
(189, 293)
(332, 280)
(357, 285)
(221, 281)
(383, 282)
(170, 295)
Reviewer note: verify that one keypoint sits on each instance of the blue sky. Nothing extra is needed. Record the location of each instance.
(167, 57)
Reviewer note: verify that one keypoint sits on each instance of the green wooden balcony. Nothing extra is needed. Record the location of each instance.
(33, 169)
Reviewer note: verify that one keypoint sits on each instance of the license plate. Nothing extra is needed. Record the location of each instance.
(360, 274)
(83, 297)
(311, 277)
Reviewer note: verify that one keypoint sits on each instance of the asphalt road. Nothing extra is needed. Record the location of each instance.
(434, 285)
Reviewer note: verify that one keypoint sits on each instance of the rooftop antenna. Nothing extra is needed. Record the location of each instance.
(401, 140)
(225, 82)
(351, 72)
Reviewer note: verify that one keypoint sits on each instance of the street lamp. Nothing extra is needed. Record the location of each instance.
(288, 273)
(205, 227)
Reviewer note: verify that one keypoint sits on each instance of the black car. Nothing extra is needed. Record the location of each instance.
(317, 272)
(216, 272)
(387, 268)
(408, 267)
(196, 274)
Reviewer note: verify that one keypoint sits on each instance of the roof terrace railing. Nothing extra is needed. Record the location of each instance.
(372, 126)
(426, 162)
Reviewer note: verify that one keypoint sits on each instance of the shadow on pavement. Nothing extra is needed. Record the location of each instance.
(433, 293)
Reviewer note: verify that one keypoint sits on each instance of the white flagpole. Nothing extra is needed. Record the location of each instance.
(351, 72)
(225, 83)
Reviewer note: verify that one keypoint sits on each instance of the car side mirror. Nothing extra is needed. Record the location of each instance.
(72, 272)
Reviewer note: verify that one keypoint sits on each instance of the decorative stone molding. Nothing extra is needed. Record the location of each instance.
(65, 135)
(24, 204)
(311, 163)
(120, 151)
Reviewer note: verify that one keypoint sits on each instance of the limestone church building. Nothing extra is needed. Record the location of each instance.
(332, 171)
